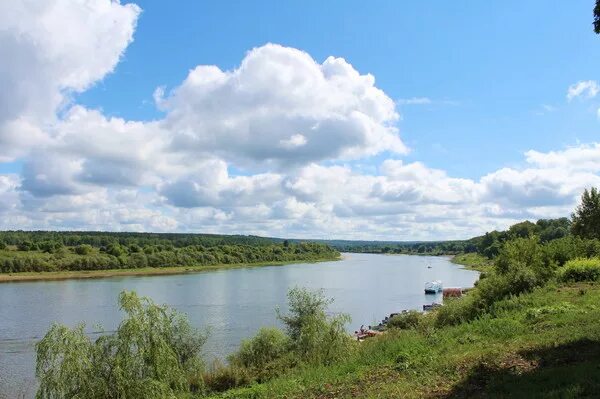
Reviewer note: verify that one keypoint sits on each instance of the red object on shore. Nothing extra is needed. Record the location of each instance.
(452, 292)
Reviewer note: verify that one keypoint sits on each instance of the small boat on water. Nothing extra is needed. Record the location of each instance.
(433, 287)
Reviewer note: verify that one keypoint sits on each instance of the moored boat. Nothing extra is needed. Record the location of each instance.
(433, 287)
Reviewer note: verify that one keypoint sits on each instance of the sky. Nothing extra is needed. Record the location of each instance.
(380, 120)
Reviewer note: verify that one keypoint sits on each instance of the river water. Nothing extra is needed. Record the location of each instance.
(232, 303)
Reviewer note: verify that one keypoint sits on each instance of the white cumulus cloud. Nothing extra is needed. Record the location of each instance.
(49, 49)
(281, 107)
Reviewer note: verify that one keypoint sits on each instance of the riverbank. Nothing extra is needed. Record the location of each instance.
(542, 344)
(473, 261)
(146, 271)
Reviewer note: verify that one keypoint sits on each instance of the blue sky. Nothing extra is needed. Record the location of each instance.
(395, 120)
(489, 68)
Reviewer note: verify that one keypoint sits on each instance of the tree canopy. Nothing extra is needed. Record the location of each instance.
(586, 218)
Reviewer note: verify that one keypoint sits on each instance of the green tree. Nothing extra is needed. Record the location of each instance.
(83, 249)
(115, 249)
(316, 338)
(586, 218)
(522, 230)
(153, 354)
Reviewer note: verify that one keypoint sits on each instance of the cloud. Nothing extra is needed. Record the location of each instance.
(281, 108)
(46, 49)
(583, 88)
(259, 149)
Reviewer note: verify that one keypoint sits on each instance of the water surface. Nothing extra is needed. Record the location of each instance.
(234, 303)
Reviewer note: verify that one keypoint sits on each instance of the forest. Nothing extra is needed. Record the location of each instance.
(487, 245)
(52, 251)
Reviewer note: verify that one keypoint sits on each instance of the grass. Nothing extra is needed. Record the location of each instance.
(474, 261)
(145, 271)
(545, 344)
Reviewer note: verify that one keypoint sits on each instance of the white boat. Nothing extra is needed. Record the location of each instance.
(433, 287)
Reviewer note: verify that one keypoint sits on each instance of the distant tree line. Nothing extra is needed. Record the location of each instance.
(40, 251)
(103, 239)
(490, 243)
(409, 248)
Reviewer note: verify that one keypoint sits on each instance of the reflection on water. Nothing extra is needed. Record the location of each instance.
(233, 303)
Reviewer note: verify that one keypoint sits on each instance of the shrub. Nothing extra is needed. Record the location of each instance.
(405, 321)
(268, 345)
(458, 310)
(221, 378)
(523, 253)
(580, 270)
(482, 298)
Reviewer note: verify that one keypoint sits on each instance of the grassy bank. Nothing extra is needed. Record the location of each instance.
(473, 261)
(146, 271)
(543, 344)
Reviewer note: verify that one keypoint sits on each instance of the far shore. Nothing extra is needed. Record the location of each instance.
(147, 271)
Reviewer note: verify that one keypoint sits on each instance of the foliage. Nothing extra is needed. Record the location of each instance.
(153, 354)
(547, 230)
(474, 261)
(315, 337)
(264, 356)
(586, 218)
(520, 267)
(221, 377)
(311, 338)
(581, 270)
(488, 245)
(536, 345)
(52, 255)
(83, 249)
(406, 320)
(524, 254)
(268, 345)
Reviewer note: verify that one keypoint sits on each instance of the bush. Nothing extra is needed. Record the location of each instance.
(458, 310)
(405, 321)
(580, 270)
(221, 378)
(268, 345)
(523, 253)
(482, 298)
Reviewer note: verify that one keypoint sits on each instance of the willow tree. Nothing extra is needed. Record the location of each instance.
(154, 353)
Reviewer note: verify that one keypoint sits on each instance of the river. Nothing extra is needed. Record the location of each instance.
(232, 303)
